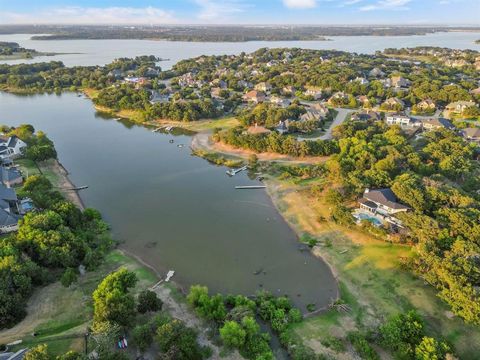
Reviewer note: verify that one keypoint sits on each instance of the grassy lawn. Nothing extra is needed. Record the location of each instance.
(60, 316)
(372, 280)
(27, 167)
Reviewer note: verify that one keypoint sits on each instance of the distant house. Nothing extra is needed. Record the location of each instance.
(338, 98)
(245, 84)
(116, 73)
(425, 105)
(471, 134)
(458, 107)
(361, 80)
(401, 120)
(156, 97)
(366, 115)
(382, 201)
(216, 93)
(320, 108)
(393, 104)
(263, 86)
(434, 124)
(400, 82)
(362, 99)
(376, 73)
(279, 101)
(11, 147)
(254, 96)
(312, 115)
(288, 90)
(315, 94)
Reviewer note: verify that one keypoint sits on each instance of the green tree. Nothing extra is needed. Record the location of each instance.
(232, 334)
(39, 352)
(142, 337)
(431, 349)
(111, 300)
(148, 301)
(69, 277)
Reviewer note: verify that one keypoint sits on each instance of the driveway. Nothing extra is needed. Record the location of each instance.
(339, 119)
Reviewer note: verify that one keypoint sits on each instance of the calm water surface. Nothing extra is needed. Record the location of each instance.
(174, 210)
(100, 52)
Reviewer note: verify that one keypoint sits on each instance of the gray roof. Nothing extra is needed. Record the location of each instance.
(12, 141)
(471, 133)
(440, 122)
(9, 174)
(7, 219)
(384, 197)
(7, 194)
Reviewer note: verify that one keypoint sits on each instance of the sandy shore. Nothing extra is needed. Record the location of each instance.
(64, 183)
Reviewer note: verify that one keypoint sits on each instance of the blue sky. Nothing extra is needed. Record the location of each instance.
(241, 11)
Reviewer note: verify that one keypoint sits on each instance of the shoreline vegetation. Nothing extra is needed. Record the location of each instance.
(219, 33)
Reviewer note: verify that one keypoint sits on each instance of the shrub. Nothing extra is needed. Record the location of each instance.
(148, 301)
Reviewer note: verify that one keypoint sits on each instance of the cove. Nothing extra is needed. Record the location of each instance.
(174, 210)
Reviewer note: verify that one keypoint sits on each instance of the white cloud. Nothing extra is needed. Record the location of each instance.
(300, 4)
(219, 10)
(91, 15)
(387, 5)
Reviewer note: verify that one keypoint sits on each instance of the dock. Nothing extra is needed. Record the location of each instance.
(233, 172)
(250, 187)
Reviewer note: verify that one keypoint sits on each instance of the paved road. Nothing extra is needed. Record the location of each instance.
(339, 119)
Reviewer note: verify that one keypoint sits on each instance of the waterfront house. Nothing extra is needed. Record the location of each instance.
(8, 209)
(434, 124)
(382, 201)
(361, 80)
(471, 134)
(10, 176)
(254, 96)
(11, 147)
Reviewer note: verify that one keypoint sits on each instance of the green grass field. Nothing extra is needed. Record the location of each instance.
(60, 316)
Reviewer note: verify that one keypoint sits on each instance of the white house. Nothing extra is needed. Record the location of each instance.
(11, 147)
(382, 201)
(402, 120)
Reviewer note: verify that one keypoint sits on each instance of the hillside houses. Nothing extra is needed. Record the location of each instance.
(264, 87)
(393, 104)
(313, 94)
(424, 106)
(254, 96)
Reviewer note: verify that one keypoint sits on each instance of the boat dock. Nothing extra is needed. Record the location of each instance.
(246, 187)
(233, 172)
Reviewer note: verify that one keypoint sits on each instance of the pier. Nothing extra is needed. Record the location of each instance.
(233, 172)
(246, 187)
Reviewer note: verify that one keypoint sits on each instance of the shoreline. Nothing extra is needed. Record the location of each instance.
(64, 182)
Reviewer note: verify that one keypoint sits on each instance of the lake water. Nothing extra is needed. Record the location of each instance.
(174, 210)
(100, 52)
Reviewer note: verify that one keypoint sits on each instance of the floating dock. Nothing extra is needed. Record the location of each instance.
(250, 187)
(233, 172)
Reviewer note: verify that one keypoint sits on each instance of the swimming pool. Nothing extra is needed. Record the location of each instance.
(362, 216)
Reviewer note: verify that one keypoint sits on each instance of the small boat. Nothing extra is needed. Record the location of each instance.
(170, 141)
(258, 272)
(180, 145)
(233, 172)
(169, 275)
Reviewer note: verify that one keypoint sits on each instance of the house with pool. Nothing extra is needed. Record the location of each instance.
(380, 206)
